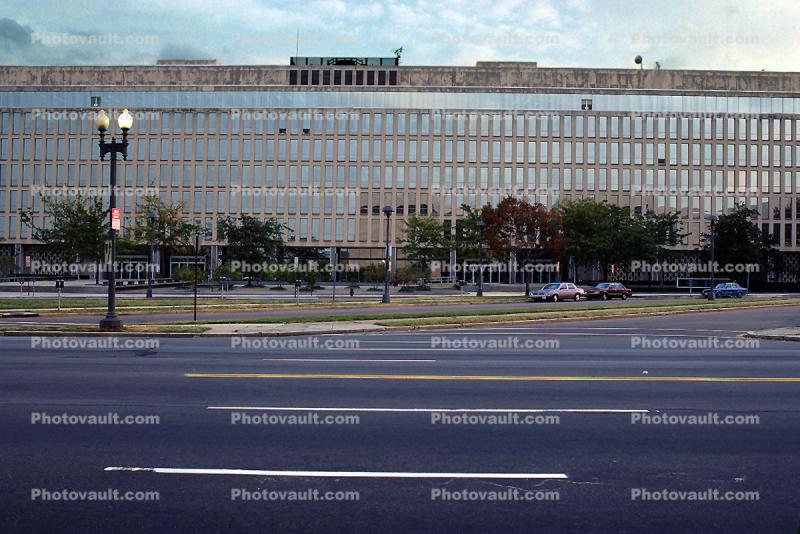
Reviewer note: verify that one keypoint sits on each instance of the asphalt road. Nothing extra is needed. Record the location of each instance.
(203, 315)
(605, 457)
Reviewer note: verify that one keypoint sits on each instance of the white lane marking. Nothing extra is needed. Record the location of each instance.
(335, 474)
(343, 360)
(413, 349)
(427, 410)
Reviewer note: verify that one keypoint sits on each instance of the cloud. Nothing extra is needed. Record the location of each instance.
(14, 37)
(714, 34)
(181, 51)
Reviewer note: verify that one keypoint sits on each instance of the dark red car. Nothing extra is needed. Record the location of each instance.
(609, 290)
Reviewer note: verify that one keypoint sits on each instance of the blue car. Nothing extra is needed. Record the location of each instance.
(727, 289)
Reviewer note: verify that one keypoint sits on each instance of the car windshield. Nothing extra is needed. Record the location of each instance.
(720, 286)
(603, 286)
(550, 286)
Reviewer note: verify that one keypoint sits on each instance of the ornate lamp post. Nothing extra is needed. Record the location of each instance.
(387, 210)
(481, 228)
(111, 322)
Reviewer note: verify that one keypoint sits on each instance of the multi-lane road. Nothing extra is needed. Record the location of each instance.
(598, 461)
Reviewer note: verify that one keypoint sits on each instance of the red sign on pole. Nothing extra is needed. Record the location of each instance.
(115, 223)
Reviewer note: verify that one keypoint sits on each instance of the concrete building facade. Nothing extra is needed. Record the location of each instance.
(324, 143)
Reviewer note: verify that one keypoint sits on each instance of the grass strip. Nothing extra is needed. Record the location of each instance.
(449, 317)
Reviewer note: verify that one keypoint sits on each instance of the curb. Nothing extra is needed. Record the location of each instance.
(81, 333)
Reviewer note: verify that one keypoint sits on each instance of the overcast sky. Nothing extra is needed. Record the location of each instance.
(702, 34)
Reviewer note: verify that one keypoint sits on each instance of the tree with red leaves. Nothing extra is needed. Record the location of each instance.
(528, 230)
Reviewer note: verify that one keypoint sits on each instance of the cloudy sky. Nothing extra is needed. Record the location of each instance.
(708, 34)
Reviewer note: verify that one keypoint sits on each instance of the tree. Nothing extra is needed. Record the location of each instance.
(527, 230)
(738, 239)
(467, 237)
(253, 241)
(585, 229)
(423, 240)
(410, 274)
(78, 228)
(373, 273)
(608, 234)
(169, 232)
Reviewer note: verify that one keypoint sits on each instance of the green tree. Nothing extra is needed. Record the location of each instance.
(169, 232)
(253, 241)
(78, 228)
(373, 273)
(738, 239)
(410, 274)
(609, 234)
(423, 240)
(466, 239)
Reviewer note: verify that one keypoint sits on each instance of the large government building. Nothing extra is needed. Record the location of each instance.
(322, 144)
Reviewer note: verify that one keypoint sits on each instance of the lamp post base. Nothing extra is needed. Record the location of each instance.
(111, 324)
(385, 299)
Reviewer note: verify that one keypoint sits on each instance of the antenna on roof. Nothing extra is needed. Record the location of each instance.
(397, 54)
(297, 44)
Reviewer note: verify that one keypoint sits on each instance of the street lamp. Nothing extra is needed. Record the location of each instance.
(712, 219)
(111, 322)
(151, 222)
(481, 228)
(387, 210)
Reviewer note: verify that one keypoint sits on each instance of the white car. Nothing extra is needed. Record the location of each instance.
(558, 291)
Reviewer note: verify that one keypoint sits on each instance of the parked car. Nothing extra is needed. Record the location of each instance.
(609, 290)
(727, 289)
(558, 291)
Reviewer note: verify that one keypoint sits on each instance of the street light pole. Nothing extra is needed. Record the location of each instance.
(111, 322)
(713, 220)
(151, 219)
(387, 210)
(481, 228)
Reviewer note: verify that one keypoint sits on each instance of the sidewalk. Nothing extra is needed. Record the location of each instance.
(293, 329)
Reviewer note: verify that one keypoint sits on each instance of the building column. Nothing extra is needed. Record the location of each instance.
(512, 267)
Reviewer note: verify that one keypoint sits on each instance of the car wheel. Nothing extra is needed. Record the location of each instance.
(738, 295)
(605, 296)
(577, 297)
(624, 296)
(555, 298)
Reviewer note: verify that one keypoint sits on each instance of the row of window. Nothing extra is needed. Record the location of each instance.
(409, 178)
(342, 77)
(466, 124)
(568, 152)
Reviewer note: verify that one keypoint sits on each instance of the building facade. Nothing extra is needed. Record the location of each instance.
(322, 144)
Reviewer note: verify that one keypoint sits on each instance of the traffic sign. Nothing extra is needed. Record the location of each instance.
(115, 221)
